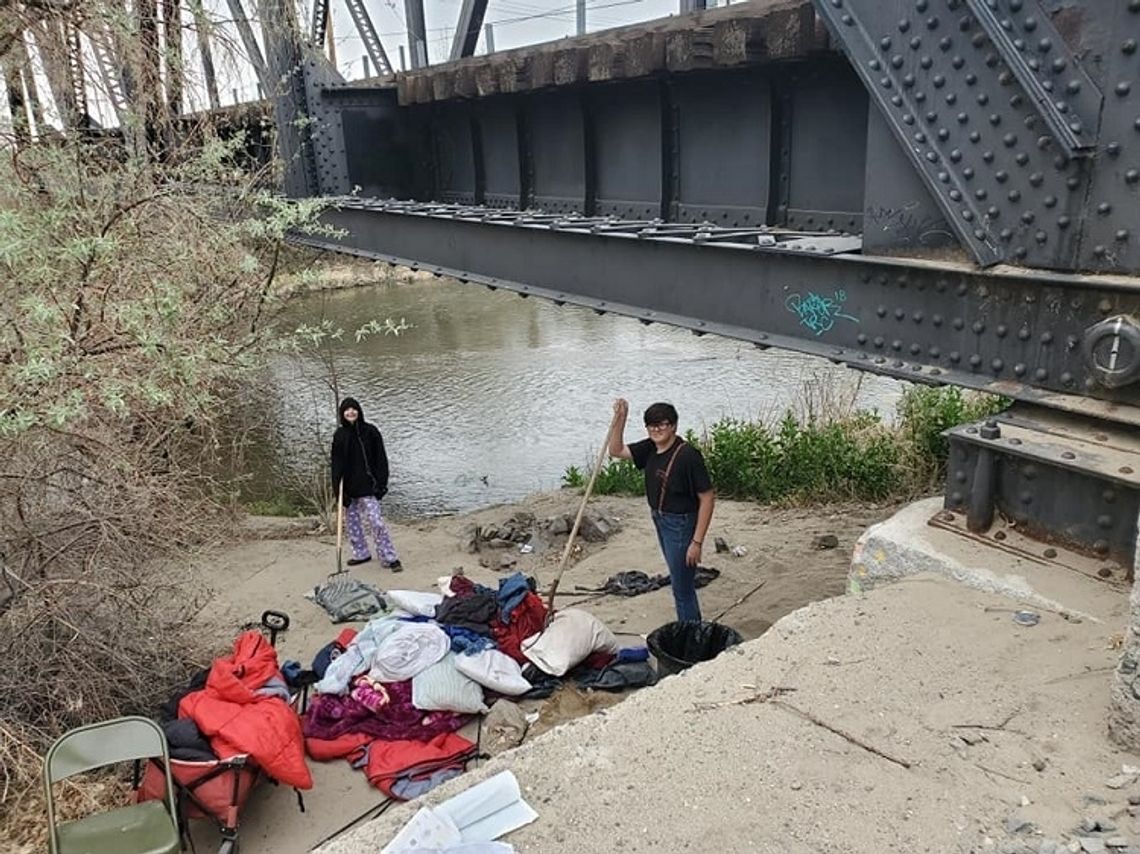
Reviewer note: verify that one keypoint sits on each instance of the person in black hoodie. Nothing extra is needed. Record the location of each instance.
(359, 460)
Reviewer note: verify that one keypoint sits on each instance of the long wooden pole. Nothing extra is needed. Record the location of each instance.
(578, 519)
(340, 528)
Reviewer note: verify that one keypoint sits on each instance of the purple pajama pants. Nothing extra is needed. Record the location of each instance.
(369, 507)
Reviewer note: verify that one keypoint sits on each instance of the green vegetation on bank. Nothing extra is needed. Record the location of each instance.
(852, 456)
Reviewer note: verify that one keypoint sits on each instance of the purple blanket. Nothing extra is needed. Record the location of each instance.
(330, 716)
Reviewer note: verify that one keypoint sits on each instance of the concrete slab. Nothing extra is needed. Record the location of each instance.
(907, 544)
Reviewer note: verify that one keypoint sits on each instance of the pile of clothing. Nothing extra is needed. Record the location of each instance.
(390, 698)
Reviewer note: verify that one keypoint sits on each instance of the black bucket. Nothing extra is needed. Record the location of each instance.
(678, 646)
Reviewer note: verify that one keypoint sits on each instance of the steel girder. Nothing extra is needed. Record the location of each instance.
(467, 29)
(1046, 339)
(1069, 480)
(1009, 121)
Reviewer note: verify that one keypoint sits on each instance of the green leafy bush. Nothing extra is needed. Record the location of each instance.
(854, 456)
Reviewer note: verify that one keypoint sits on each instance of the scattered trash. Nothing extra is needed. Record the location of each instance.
(1119, 781)
(1026, 618)
(825, 541)
(721, 545)
(504, 727)
(739, 551)
(525, 548)
(483, 813)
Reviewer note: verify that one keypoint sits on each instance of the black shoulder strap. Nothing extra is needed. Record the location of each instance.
(668, 471)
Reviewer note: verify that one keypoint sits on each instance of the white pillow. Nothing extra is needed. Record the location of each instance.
(495, 670)
(569, 639)
(415, 602)
(442, 688)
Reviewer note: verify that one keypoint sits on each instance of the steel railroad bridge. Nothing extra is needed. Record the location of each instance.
(943, 191)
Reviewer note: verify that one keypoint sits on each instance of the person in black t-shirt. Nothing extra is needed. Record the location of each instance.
(679, 492)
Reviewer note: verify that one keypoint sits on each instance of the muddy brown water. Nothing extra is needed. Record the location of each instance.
(488, 397)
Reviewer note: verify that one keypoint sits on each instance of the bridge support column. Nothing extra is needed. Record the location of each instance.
(1124, 712)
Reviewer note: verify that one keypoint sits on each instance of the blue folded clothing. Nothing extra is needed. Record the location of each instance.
(632, 654)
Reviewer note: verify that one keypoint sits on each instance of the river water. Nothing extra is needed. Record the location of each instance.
(488, 397)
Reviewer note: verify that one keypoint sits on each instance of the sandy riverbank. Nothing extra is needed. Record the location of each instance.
(263, 573)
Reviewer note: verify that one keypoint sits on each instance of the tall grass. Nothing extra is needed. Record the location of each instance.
(823, 456)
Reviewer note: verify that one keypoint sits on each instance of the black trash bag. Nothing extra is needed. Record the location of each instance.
(678, 646)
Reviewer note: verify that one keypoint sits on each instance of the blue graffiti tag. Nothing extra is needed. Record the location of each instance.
(819, 313)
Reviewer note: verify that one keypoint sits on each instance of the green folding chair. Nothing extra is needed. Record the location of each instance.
(146, 828)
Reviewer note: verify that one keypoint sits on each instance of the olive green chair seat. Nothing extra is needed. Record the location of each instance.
(146, 828)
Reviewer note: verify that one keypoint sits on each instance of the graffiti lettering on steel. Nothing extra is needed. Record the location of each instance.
(819, 313)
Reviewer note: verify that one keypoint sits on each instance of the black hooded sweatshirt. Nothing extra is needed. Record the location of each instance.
(358, 456)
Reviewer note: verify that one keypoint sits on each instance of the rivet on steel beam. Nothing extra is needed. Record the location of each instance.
(1001, 176)
(975, 361)
(1014, 195)
(1123, 88)
(896, 345)
(936, 319)
(1113, 149)
(878, 342)
(1063, 221)
(955, 356)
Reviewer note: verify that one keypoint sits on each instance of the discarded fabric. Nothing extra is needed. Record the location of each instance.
(412, 648)
(571, 636)
(494, 670)
(443, 688)
(347, 599)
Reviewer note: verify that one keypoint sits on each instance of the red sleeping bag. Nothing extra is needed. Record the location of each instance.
(236, 719)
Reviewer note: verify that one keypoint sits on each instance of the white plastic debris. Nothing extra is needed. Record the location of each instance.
(481, 814)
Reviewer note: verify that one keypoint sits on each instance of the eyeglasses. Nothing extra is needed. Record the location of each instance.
(659, 426)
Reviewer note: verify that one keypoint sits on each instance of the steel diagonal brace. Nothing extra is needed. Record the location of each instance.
(369, 36)
(1029, 44)
(249, 42)
(318, 22)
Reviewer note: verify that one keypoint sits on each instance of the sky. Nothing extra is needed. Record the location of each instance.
(516, 23)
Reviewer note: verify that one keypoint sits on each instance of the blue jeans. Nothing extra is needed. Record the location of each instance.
(674, 533)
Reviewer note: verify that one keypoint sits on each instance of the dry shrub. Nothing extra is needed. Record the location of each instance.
(136, 296)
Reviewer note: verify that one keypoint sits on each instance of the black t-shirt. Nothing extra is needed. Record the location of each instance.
(687, 478)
